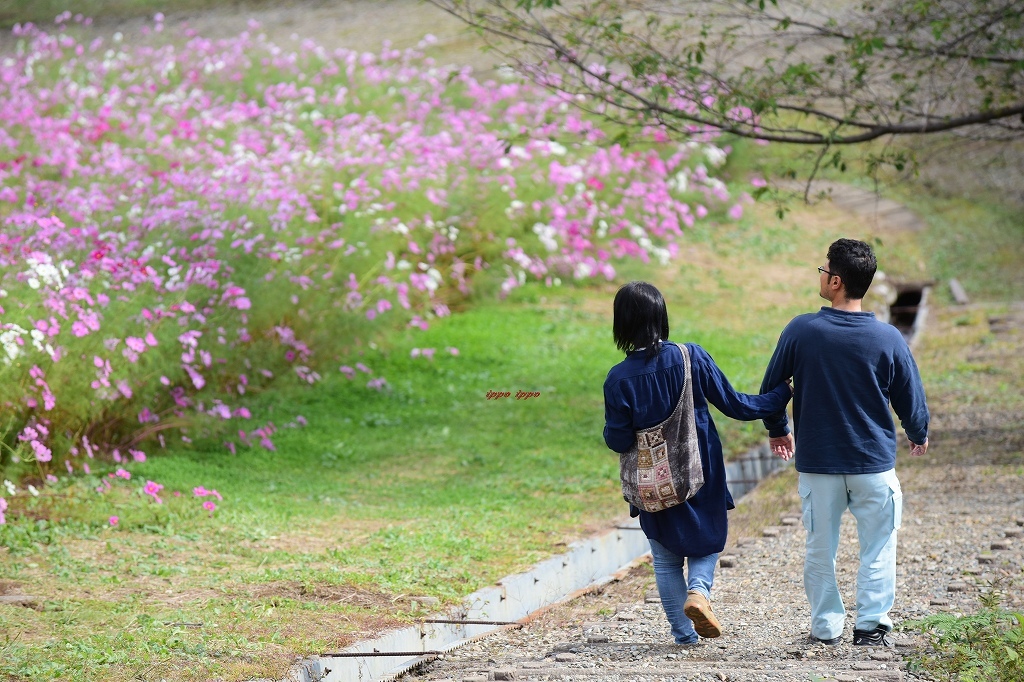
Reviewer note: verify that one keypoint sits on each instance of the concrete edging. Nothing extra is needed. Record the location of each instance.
(511, 600)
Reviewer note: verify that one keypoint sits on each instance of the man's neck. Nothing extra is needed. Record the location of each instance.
(848, 306)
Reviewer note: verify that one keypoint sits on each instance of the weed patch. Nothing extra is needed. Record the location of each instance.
(985, 646)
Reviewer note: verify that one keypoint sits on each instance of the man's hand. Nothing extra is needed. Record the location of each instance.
(783, 446)
(918, 450)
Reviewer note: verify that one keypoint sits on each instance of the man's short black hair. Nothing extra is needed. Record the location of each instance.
(640, 318)
(855, 263)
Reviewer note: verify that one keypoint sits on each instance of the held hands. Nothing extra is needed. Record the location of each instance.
(783, 446)
(918, 450)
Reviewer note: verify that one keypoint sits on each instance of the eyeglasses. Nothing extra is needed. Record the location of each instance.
(830, 274)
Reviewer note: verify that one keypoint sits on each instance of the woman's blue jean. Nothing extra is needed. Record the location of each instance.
(673, 586)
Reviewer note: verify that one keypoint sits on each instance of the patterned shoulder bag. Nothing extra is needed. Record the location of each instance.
(663, 468)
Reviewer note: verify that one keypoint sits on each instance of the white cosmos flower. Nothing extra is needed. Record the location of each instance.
(714, 155)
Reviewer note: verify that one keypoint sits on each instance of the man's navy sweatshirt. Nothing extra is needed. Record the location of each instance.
(847, 368)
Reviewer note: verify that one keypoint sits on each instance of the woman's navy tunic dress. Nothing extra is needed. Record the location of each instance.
(640, 393)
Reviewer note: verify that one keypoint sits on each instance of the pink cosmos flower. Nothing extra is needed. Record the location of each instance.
(209, 505)
(113, 520)
(124, 389)
(197, 379)
(3, 508)
(122, 473)
(152, 489)
(200, 491)
(42, 452)
(135, 343)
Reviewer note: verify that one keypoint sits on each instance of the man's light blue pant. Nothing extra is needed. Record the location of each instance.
(876, 502)
(673, 586)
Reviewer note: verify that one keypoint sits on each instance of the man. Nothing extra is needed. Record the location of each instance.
(847, 369)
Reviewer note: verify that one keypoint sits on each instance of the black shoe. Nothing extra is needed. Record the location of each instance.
(877, 637)
(830, 642)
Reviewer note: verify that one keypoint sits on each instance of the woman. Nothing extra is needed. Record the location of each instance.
(642, 391)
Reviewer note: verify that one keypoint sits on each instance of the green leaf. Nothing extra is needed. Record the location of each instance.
(530, 4)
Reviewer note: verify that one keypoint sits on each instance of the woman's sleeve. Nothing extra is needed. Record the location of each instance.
(720, 393)
(618, 424)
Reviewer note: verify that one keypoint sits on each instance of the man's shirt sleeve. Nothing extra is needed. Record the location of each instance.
(906, 394)
(780, 368)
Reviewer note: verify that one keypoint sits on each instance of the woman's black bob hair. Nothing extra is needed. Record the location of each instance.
(640, 318)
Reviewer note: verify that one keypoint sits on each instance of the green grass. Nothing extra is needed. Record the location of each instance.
(425, 488)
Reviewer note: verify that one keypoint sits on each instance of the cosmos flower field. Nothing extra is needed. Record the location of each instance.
(186, 221)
